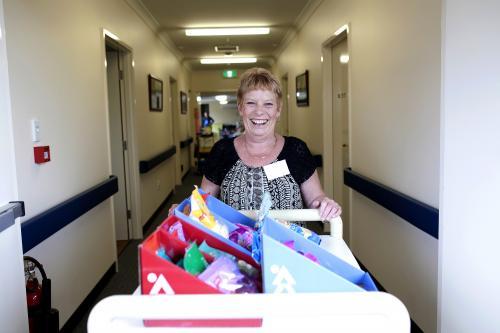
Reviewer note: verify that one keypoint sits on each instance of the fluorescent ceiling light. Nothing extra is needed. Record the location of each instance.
(227, 31)
(228, 60)
(221, 98)
(223, 102)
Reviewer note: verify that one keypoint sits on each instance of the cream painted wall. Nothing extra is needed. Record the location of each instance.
(395, 93)
(211, 80)
(224, 114)
(56, 67)
(470, 144)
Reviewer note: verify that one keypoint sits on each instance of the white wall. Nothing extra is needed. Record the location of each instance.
(394, 93)
(56, 67)
(13, 308)
(470, 142)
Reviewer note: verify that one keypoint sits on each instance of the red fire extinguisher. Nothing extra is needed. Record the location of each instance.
(42, 318)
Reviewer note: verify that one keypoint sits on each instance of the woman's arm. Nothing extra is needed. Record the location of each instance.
(209, 187)
(314, 197)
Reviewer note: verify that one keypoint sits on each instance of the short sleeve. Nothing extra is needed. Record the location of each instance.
(220, 160)
(300, 161)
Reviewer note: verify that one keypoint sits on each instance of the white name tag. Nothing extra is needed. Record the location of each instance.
(276, 170)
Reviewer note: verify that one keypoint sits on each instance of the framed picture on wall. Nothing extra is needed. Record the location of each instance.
(155, 93)
(184, 102)
(302, 89)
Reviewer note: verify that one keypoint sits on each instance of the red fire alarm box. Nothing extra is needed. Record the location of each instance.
(42, 154)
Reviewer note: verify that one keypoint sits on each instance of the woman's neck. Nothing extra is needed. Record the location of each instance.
(259, 151)
(260, 143)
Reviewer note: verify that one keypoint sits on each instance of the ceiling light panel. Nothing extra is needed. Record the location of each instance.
(228, 31)
(228, 60)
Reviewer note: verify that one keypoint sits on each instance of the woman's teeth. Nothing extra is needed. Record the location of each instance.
(258, 121)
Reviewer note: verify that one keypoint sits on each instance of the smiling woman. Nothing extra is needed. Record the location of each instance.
(240, 170)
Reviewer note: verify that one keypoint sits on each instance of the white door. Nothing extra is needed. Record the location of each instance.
(13, 308)
(341, 157)
(118, 141)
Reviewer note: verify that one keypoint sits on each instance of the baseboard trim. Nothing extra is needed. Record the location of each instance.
(414, 328)
(89, 301)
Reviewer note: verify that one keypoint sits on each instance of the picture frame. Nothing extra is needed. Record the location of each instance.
(302, 89)
(155, 86)
(184, 102)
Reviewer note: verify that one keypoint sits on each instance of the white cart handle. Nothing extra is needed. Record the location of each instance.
(301, 215)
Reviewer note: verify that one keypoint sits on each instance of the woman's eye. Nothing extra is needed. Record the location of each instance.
(268, 105)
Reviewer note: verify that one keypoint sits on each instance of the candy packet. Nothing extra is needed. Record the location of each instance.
(306, 233)
(216, 253)
(201, 213)
(242, 236)
(194, 262)
(224, 275)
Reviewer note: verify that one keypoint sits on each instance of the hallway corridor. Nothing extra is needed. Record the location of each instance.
(101, 106)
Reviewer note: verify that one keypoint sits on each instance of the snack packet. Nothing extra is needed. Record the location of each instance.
(224, 275)
(216, 253)
(306, 233)
(199, 212)
(194, 262)
(242, 236)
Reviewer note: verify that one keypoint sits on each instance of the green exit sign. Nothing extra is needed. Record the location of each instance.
(229, 74)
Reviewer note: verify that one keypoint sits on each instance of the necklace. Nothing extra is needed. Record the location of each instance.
(263, 155)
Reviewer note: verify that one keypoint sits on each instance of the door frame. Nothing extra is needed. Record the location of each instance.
(329, 115)
(13, 308)
(175, 107)
(131, 159)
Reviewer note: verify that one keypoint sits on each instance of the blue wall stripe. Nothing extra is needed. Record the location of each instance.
(145, 166)
(40, 227)
(419, 214)
(186, 142)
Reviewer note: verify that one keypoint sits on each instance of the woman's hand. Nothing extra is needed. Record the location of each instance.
(328, 208)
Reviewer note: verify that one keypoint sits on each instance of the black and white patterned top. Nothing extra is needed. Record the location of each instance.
(242, 186)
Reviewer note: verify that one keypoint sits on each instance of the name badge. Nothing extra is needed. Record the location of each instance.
(276, 170)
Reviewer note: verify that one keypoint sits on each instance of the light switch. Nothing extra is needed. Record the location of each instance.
(35, 130)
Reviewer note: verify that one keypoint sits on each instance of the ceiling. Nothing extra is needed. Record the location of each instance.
(284, 17)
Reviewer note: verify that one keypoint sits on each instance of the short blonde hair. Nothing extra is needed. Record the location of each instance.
(259, 78)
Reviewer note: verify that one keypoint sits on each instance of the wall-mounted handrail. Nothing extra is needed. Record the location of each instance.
(186, 143)
(42, 226)
(145, 166)
(419, 214)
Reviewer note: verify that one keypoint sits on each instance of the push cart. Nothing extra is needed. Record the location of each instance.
(316, 312)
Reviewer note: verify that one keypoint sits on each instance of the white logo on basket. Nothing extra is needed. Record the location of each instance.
(160, 284)
(283, 281)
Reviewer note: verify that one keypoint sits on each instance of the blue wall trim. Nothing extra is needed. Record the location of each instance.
(186, 142)
(419, 214)
(145, 166)
(40, 227)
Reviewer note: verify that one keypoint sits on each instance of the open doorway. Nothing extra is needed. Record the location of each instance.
(336, 122)
(116, 58)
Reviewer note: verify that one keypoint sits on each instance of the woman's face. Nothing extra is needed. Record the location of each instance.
(259, 111)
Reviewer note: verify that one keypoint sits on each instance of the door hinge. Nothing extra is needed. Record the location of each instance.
(120, 74)
(125, 146)
(129, 214)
